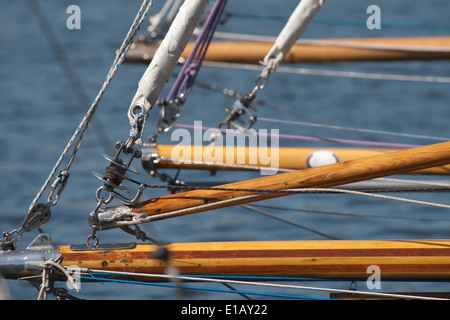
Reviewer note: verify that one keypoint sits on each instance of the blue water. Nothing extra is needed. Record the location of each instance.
(39, 112)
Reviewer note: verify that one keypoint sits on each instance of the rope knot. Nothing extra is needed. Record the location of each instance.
(115, 172)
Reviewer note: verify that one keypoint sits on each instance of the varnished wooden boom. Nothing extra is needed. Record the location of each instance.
(242, 158)
(317, 50)
(402, 259)
(319, 177)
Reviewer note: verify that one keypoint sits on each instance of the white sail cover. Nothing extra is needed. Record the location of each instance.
(292, 31)
(166, 58)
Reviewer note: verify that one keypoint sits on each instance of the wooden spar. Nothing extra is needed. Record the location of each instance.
(337, 259)
(316, 51)
(319, 177)
(249, 158)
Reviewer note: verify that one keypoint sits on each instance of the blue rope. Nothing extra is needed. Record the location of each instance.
(285, 296)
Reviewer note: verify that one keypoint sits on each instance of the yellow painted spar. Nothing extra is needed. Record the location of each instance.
(318, 177)
(317, 50)
(252, 158)
(396, 259)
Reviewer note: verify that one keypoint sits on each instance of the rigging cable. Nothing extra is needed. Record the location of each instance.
(273, 285)
(145, 7)
(124, 215)
(39, 213)
(316, 122)
(241, 292)
(348, 215)
(393, 25)
(296, 25)
(66, 67)
(149, 89)
(309, 138)
(171, 106)
(336, 73)
(327, 126)
(252, 208)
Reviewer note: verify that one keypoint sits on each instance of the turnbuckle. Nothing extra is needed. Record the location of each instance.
(117, 169)
(112, 179)
(115, 174)
(240, 107)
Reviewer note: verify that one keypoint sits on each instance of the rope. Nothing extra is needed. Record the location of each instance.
(380, 196)
(139, 218)
(46, 283)
(191, 66)
(386, 24)
(66, 68)
(82, 127)
(306, 138)
(432, 185)
(63, 270)
(185, 80)
(285, 296)
(288, 222)
(317, 122)
(425, 186)
(335, 73)
(205, 289)
(272, 285)
(360, 130)
(349, 215)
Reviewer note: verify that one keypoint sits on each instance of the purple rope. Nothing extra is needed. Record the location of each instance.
(188, 73)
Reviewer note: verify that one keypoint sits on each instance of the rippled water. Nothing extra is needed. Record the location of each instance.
(39, 110)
